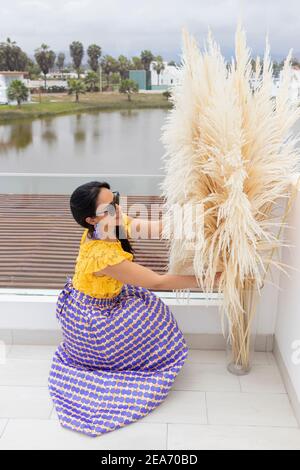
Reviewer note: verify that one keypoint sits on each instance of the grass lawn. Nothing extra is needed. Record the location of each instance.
(62, 103)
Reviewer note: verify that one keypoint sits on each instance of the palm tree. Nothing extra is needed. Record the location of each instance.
(109, 65)
(33, 70)
(8, 48)
(77, 53)
(60, 61)
(158, 66)
(137, 63)
(45, 59)
(146, 58)
(124, 66)
(129, 87)
(94, 52)
(11, 56)
(91, 81)
(77, 87)
(18, 91)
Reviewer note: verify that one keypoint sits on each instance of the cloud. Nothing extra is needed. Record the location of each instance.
(128, 27)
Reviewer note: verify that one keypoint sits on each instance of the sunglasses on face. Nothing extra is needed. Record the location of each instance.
(111, 207)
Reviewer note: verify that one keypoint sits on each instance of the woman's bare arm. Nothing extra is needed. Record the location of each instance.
(129, 272)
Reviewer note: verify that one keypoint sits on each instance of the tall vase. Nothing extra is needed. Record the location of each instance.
(241, 335)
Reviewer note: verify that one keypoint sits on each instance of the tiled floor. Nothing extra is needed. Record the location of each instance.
(208, 408)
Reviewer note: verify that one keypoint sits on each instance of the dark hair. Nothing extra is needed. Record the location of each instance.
(83, 204)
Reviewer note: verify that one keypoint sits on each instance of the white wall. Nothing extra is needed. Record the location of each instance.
(167, 76)
(4, 84)
(38, 312)
(287, 331)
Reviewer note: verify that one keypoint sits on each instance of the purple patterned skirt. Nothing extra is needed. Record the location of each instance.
(118, 359)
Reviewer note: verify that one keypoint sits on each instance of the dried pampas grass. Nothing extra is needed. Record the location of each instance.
(229, 146)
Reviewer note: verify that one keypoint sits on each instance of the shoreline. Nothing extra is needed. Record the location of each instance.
(64, 106)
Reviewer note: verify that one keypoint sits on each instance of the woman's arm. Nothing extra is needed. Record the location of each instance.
(129, 272)
(141, 228)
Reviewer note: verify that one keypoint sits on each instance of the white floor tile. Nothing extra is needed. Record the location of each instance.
(271, 358)
(25, 402)
(206, 377)
(263, 379)
(53, 414)
(219, 357)
(261, 358)
(48, 434)
(3, 423)
(31, 352)
(231, 437)
(25, 372)
(253, 409)
(250, 412)
(180, 407)
(199, 356)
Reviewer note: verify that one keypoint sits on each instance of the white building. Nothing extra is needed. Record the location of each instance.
(50, 82)
(59, 79)
(64, 75)
(5, 78)
(294, 91)
(295, 85)
(165, 79)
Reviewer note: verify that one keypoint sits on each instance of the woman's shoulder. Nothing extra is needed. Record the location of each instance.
(88, 243)
(97, 254)
(100, 246)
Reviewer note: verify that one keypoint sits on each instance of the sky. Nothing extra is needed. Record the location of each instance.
(127, 27)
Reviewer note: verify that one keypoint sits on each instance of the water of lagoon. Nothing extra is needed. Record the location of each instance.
(55, 155)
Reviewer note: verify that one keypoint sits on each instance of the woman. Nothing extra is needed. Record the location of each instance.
(122, 347)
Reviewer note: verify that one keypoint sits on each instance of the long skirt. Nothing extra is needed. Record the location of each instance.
(118, 359)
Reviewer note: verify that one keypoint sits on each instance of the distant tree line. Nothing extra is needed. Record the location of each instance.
(115, 71)
(12, 57)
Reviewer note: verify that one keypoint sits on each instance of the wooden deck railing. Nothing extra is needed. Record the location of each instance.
(39, 240)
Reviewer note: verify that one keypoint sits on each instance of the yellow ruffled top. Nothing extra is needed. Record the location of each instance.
(95, 255)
